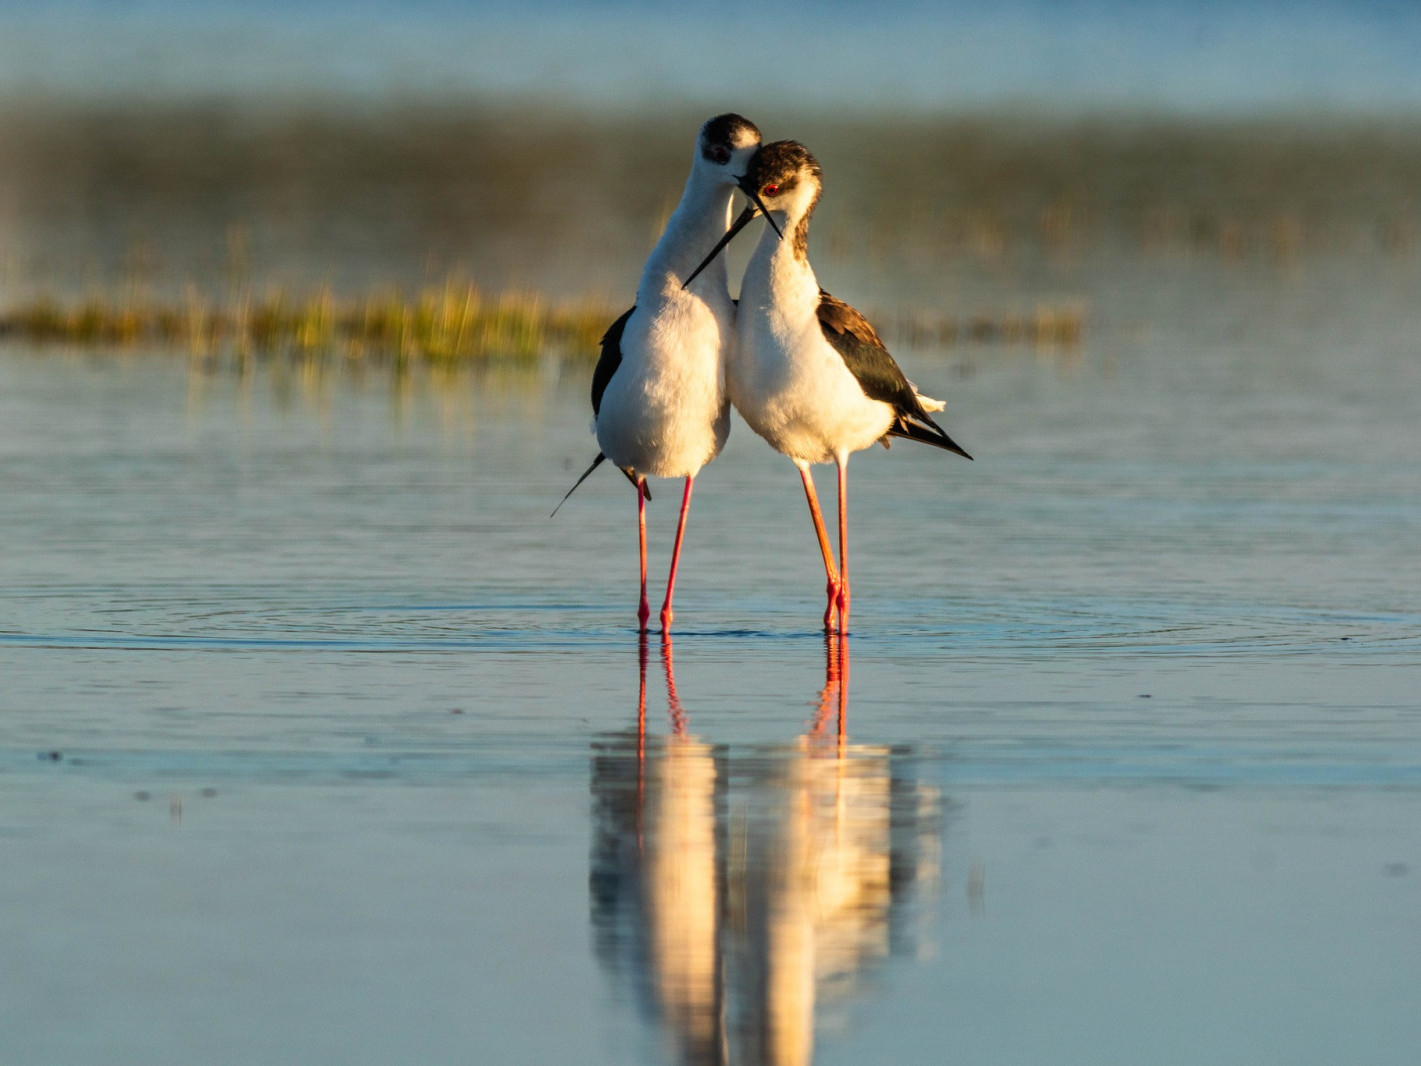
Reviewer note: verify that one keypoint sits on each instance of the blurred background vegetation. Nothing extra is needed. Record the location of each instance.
(450, 180)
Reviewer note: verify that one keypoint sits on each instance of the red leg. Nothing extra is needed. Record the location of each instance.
(644, 610)
(676, 558)
(830, 571)
(843, 548)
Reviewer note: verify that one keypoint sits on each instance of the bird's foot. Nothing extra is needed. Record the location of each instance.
(831, 611)
(842, 602)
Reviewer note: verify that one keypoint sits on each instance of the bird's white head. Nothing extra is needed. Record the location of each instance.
(784, 181)
(725, 147)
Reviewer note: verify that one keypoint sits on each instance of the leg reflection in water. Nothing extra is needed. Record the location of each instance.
(739, 891)
(834, 696)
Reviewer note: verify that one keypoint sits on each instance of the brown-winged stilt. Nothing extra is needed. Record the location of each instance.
(809, 373)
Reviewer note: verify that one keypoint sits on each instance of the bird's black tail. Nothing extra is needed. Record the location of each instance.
(640, 486)
(932, 434)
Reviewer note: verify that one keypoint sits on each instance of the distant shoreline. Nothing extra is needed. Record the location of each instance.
(404, 196)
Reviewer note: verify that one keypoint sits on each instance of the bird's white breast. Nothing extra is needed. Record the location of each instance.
(665, 411)
(785, 379)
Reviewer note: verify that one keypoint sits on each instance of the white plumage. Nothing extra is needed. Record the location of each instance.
(809, 374)
(787, 382)
(665, 412)
(659, 400)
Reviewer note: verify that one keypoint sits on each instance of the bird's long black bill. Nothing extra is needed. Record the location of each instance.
(755, 199)
(735, 227)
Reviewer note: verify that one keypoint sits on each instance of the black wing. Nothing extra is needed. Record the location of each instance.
(607, 366)
(610, 360)
(880, 377)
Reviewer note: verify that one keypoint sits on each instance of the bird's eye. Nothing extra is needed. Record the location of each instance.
(720, 154)
(770, 190)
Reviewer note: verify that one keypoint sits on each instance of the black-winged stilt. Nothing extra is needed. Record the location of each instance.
(658, 393)
(810, 374)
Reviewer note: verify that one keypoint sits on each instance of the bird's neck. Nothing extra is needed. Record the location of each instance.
(778, 269)
(700, 219)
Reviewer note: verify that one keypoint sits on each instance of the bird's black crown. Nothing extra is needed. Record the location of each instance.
(728, 131)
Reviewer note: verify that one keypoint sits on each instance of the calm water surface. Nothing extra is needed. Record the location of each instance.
(319, 741)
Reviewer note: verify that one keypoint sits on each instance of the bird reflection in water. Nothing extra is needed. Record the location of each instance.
(737, 892)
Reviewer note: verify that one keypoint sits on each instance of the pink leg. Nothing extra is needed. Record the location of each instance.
(830, 571)
(843, 548)
(644, 610)
(676, 558)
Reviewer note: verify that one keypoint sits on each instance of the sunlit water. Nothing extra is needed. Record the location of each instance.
(319, 741)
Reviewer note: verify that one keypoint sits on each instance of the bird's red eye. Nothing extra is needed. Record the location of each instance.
(721, 155)
(770, 190)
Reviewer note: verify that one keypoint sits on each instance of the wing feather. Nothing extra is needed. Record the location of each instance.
(879, 375)
(610, 359)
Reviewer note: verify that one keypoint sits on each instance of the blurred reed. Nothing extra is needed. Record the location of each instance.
(455, 323)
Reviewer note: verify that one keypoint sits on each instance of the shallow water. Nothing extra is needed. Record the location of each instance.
(319, 740)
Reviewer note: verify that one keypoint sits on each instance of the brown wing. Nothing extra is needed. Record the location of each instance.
(880, 377)
(866, 356)
(838, 316)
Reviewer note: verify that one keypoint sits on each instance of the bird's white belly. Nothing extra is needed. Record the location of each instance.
(665, 412)
(797, 393)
